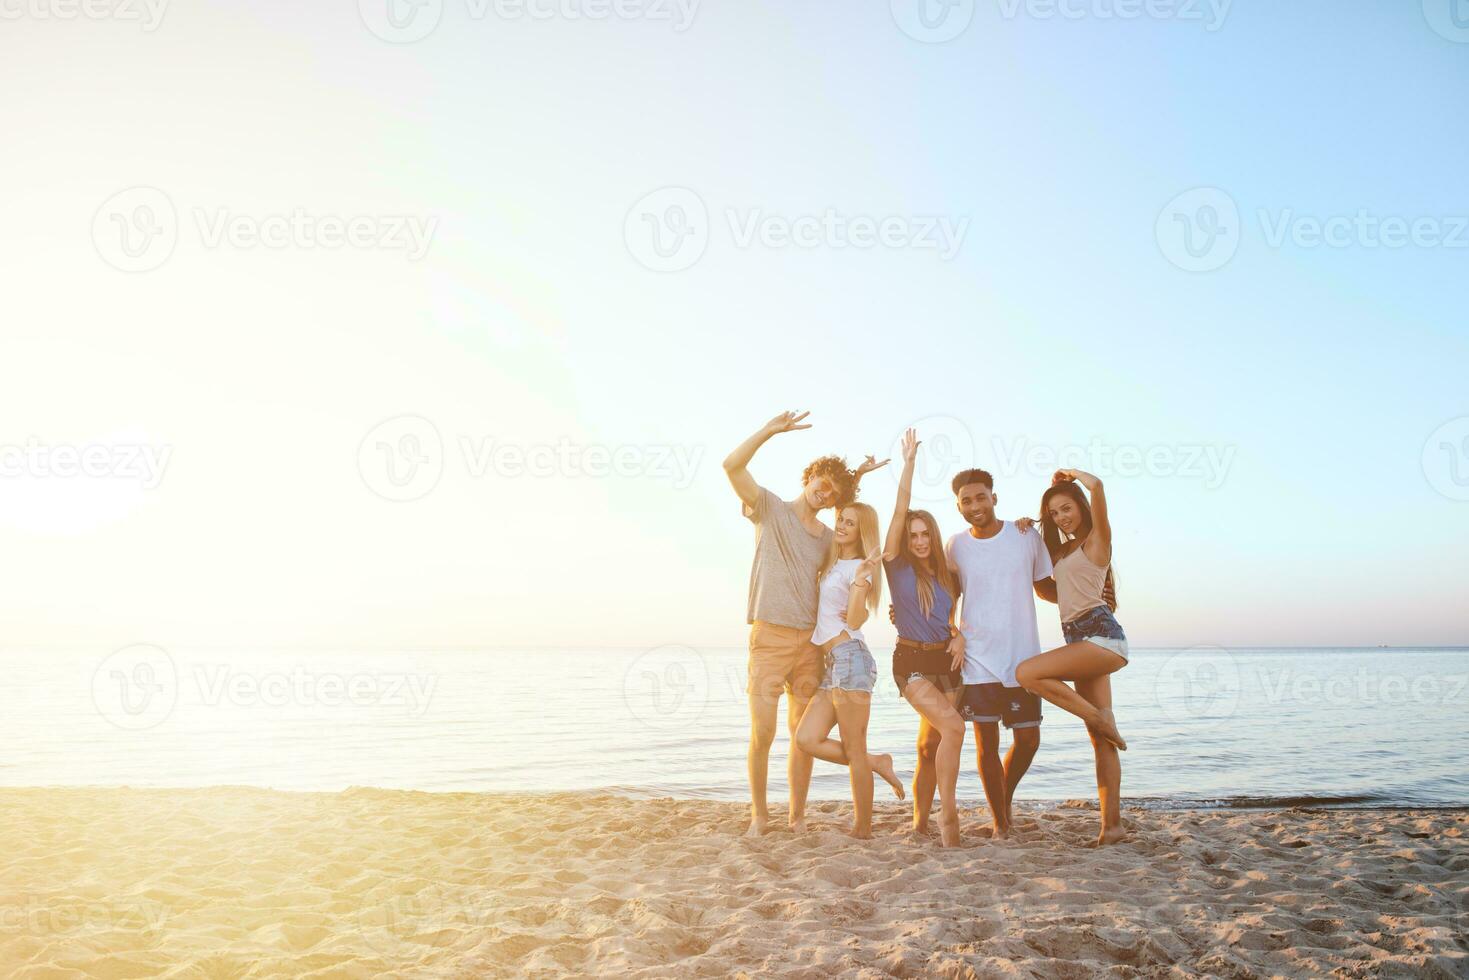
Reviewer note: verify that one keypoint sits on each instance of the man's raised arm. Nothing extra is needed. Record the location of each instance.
(736, 463)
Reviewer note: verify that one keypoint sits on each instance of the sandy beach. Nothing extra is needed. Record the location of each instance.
(236, 882)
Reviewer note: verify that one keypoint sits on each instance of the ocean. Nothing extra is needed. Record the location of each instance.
(1206, 726)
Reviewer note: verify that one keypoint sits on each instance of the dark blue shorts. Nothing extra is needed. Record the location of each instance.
(1015, 706)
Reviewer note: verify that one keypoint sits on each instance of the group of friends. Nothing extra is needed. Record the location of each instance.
(968, 648)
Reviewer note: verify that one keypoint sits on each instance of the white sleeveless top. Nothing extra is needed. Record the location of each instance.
(1079, 582)
(831, 603)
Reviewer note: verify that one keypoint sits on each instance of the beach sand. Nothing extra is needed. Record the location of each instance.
(236, 882)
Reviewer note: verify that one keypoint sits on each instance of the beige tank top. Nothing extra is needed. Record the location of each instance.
(1079, 582)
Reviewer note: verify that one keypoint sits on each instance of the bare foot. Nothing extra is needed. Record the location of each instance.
(861, 833)
(883, 766)
(1111, 835)
(1106, 726)
(798, 825)
(949, 831)
(758, 827)
(998, 832)
(920, 828)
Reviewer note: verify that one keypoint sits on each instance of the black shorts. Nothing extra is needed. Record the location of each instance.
(931, 665)
(1015, 706)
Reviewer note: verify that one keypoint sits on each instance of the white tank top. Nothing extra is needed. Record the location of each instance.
(1079, 582)
(831, 604)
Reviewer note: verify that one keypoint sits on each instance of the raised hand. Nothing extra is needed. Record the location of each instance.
(910, 447)
(1079, 476)
(786, 422)
(1024, 524)
(868, 465)
(864, 573)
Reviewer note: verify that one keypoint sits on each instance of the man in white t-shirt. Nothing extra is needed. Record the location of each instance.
(1000, 568)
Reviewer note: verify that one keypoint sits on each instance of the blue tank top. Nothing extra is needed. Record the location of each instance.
(912, 624)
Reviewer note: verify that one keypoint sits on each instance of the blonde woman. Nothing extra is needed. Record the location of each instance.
(849, 590)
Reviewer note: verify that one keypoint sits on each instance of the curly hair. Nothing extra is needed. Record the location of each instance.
(833, 468)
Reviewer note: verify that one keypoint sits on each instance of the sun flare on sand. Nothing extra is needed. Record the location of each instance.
(237, 882)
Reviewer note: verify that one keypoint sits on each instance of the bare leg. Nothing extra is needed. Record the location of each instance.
(763, 711)
(939, 717)
(853, 708)
(925, 782)
(1046, 675)
(812, 734)
(1098, 691)
(1023, 743)
(815, 726)
(798, 766)
(992, 775)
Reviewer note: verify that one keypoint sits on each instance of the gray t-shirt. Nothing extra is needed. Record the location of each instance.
(787, 557)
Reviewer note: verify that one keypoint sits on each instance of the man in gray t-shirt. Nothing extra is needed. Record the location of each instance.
(790, 543)
(787, 556)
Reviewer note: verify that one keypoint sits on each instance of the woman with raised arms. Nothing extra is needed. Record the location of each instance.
(849, 592)
(929, 659)
(1079, 538)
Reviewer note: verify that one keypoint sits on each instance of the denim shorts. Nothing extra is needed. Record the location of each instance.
(1097, 626)
(850, 667)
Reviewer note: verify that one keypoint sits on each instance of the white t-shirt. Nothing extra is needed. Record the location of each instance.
(998, 576)
(831, 601)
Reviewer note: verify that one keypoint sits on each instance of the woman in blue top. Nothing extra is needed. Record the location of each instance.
(927, 665)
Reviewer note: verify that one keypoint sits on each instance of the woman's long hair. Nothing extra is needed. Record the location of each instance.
(1054, 539)
(934, 567)
(867, 530)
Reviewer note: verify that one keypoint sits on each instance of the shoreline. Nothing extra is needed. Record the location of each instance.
(245, 881)
(1153, 804)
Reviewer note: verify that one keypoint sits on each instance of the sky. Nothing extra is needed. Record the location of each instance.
(430, 326)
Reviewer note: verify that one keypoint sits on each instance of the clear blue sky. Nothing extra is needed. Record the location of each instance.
(1319, 372)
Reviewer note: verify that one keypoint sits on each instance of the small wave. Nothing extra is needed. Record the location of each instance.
(1280, 802)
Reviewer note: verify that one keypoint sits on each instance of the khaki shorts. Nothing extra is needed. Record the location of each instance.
(783, 657)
